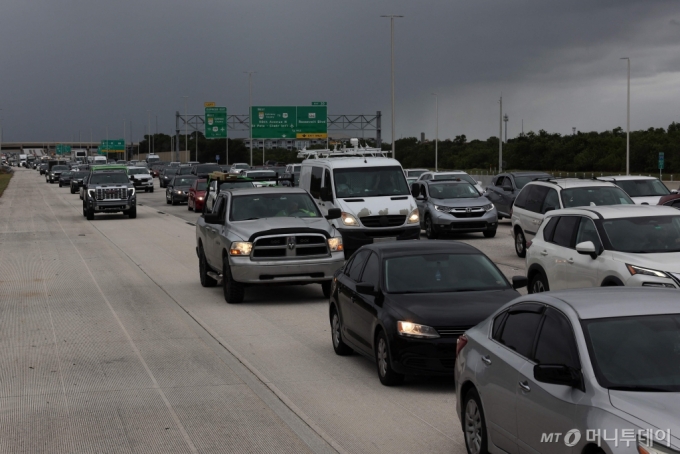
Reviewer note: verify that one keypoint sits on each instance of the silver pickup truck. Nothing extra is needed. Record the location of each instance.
(266, 236)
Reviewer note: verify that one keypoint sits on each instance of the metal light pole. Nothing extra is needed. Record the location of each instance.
(436, 133)
(124, 142)
(500, 138)
(628, 122)
(250, 110)
(186, 126)
(505, 119)
(392, 16)
(148, 137)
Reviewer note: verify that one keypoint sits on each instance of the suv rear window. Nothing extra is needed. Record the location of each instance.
(595, 196)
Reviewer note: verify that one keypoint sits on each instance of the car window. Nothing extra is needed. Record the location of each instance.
(219, 206)
(521, 199)
(549, 229)
(556, 343)
(551, 201)
(535, 198)
(357, 265)
(499, 181)
(595, 196)
(564, 231)
(519, 329)
(315, 182)
(371, 274)
(587, 232)
(498, 325)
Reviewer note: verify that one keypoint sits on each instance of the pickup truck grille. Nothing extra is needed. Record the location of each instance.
(290, 247)
(111, 193)
(394, 220)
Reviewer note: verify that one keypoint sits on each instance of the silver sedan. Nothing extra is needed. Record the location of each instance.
(582, 371)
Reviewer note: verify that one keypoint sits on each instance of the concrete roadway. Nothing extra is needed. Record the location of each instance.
(111, 344)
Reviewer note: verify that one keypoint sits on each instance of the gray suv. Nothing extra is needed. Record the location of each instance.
(109, 191)
(453, 206)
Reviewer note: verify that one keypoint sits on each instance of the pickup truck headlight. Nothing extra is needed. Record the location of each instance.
(240, 248)
(409, 329)
(348, 219)
(131, 192)
(414, 217)
(335, 244)
(90, 192)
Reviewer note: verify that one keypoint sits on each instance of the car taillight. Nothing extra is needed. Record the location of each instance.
(529, 242)
(460, 343)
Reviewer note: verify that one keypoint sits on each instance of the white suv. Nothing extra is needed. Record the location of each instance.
(546, 194)
(630, 245)
(641, 189)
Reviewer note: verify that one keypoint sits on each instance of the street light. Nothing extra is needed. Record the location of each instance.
(392, 17)
(500, 138)
(436, 133)
(628, 122)
(250, 110)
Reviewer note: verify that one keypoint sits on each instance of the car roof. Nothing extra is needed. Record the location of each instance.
(353, 162)
(525, 174)
(628, 177)
(617, 211)
(445, 181)
(138, 167)
(569, 183)
(267, 190)
(605, 302)
(415, 247)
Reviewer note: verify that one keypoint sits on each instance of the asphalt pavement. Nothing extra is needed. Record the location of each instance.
(111, 344)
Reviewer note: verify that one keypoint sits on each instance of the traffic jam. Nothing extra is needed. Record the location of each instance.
(578, 353)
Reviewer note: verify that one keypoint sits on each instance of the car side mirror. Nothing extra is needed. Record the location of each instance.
(674, 191)
(507, 188)
(334, 213)
(587, 248)
(415, 191)
(213, 218)
(519, 282)
(559, 374)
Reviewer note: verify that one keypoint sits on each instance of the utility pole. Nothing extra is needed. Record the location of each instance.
(628, 122)
(392, 16)
(505, 119)
(500, 138)
(436, 134)
(186, 126)
(250, 110)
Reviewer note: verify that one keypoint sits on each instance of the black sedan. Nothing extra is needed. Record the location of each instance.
(65, 178)
(77, 181)
(405, 303)
(177, 191)
(167, 175)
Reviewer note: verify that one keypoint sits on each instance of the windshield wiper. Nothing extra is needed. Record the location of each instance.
(640, 389)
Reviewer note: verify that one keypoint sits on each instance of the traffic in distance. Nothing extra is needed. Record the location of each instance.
(591, 370)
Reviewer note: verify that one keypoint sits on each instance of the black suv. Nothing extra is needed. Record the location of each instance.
(109, 191)
(505, 187)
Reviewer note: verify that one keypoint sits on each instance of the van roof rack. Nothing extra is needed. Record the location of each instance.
(355, 150)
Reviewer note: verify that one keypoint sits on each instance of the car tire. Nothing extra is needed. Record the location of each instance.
(132, 212)
(60, 185)
(326, 288)
(146, 189)
(474, 424)
(430, 231)
(167, 200)
(89, 214)
(84, 211)
(539, 283)
(340, 347)
(489, 233)
(383, 361)
(520, 244)
(233, 291)
(172, 200)
(203, 268)
(151, 190)
(72, 191)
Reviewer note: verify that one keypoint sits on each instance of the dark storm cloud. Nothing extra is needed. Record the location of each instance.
(73, 65)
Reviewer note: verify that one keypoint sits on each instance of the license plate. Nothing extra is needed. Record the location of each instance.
(383, 239)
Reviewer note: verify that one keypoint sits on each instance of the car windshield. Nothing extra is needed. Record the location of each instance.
(640, 353)
(236, 185)
(645, 235)
(138, 171)
(414, 173)
(184, 171)
(248, 207)
(441, 273)
(453, 191)
(170, 172)
(60, 168)
(183, 181)
(462, 176)
(79, 174)
(643, 188)
(67, 173)
(594, 196)
(263, 174)
(208, 168)
(370, 182)
(241, 166)
(109, 178)
(520, 182)
(202, 186)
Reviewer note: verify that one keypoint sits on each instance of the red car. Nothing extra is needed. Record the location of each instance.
(671, 200)
(197, 195)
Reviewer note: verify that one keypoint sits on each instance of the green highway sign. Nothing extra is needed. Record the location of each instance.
(319, 103)
(63, 149)
(215, 122)
(289, 122)
(112, 146)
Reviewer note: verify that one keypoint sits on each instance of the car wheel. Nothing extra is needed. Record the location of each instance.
(341, 348)
(132, 212)
(89, 214)
(539, 283)
(172, 200)
(430, 231)
(72, 191)
(203, 268)
(387, 375)
(326, 288)
(520, 244)
(489, 233)
(60, 185)
(233, 291)
(84, 210)
(474, 425)
(151, 190)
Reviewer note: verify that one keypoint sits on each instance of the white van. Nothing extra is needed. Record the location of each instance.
(372, 194)
(99, 160)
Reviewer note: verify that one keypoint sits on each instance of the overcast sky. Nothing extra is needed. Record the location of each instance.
(79, 65)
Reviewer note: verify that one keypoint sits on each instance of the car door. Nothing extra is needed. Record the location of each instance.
(507, 194)
(544, 408)
(213, 252)
(492, 192)
(532, 218)
(365, 308)
(347, 292)
(420, 196)
(560, 248)
(498, 372)
(582, 270)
